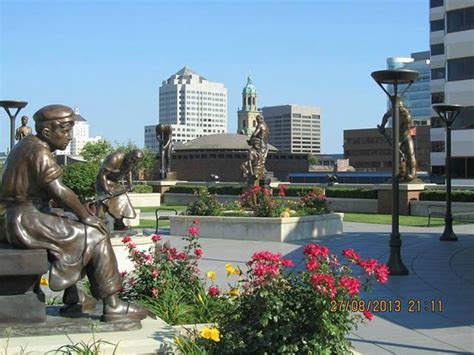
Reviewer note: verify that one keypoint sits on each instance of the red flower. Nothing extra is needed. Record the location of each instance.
(155, 238)
(287, 262)
(266, 256)
(281, 190)
(316, 250)
(196, 221)
(123, 274)
(351, 284)
(324, 283)
(368, 265)
(131, 246)
(368, 315)
(213, 291)
(312, 265)
(155, 273)
(198, 252)
(193, 230)
(147, 257)
(381, 273)
(126, 239)
(154, 292)
(351, 255)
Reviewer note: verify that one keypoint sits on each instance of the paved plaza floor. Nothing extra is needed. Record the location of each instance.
(439, 271)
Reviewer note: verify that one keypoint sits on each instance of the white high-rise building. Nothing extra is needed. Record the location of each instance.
(193, 105)
(80, 136)
(452, 82)
(418, 96)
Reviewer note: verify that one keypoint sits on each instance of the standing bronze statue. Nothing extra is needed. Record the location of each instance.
(254, 167)
(406, 144)
(164, 134)
(116, 167)
(76, 246)
(23, 130)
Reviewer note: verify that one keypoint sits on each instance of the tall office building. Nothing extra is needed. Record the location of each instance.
(418, 96)
(248, 113)
(294, 128)
(452, 82)
(193, 105)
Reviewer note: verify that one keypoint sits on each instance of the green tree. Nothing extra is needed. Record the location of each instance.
(95, 152)
(313, 159)
(148, 161)
(80, 178)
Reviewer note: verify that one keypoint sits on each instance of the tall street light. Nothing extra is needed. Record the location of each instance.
(395, 78)
(10, 104)
(448, 113)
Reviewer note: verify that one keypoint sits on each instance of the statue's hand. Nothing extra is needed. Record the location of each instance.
(95, 222)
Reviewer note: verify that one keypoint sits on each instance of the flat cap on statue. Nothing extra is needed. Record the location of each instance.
(53, 112)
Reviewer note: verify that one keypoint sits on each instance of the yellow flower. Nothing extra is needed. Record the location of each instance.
(231, 270)
(177, 341)
(211, 275)
(210, 333)
(234, 291)
(44, 281)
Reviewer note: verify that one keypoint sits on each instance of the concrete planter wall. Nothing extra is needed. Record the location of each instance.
(420, 208)
(260, 228)
(356, 205)
(145, 200)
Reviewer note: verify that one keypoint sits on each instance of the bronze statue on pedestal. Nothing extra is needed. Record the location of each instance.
(23, 130)
(406, 144)
(254, 168)
(164, 134)
(76, 246)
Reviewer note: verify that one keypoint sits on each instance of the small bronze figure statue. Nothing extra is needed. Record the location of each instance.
(23, 130)
(116, 167)
(164, 134)
(76, 246)
(254, 167)
(406, 144)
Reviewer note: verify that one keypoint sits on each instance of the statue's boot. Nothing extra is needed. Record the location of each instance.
(122, 310)
(77, 303)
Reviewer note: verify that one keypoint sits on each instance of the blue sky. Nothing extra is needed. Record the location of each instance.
(109, 57)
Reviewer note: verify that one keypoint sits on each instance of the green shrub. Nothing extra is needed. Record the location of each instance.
(142, 189)
(218, 189)
(261, 202)
(351, 193)
(204, 204)
(184, 189)
(456, 196)
(293, 191)
(80, 178)
(314, 202)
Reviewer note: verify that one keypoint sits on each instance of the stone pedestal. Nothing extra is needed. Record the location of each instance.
(20, 270)
(407, 193)
(162, 186)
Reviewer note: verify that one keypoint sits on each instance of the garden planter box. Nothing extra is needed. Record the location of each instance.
(260, 228)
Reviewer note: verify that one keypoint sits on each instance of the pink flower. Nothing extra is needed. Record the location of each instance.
(181, 256)
(263, 270)
(213, 291)
(198, 252)
(351, 284)
(147, 257)
(123, 274)
(154, 292)
(266, 256)
(287, 262)
(368, 265)
(196, 221)
(316, 250)
(155, 238)
(381, 273)
(281, 190)
(126, 239)
(351, 255)
(131, 246)
(312, 265)
(324, 283)
(368, 315)
(155, 273)
(193, 230)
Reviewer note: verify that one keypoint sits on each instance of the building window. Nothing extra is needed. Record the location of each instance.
(437, 146)
(436, 3)
(437, 97)
(437, 25)
(437, 73)
(461, 69)
(465, 120)
(437, 49)
(460, 19)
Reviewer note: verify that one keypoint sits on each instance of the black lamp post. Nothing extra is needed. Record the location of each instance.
(448, 113)
(395, 78)
(10, 104)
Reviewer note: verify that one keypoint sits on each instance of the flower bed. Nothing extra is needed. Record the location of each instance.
(261, 228)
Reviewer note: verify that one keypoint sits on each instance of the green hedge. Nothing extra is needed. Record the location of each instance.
(142, 189)
(219, 190)
(351, 193)
(456, 196)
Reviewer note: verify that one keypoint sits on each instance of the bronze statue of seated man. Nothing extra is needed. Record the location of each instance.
(76, 247)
